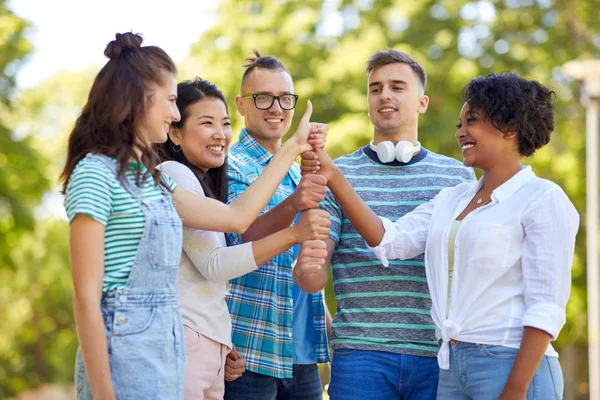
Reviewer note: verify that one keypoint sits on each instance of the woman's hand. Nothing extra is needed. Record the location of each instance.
(317, 162)
(312, 225)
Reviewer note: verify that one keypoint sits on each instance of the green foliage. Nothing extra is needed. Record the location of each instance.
(325, 46)
(22, 178)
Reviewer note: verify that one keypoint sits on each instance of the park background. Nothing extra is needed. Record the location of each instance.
(324, 44)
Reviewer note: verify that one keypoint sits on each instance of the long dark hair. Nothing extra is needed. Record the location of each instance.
(215, 181)
(116, 104)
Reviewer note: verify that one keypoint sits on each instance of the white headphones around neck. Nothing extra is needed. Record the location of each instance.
(403, 151)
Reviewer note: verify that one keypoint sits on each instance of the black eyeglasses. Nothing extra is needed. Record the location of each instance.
(264, 101)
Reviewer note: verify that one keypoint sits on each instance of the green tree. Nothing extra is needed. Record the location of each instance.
(325, 46)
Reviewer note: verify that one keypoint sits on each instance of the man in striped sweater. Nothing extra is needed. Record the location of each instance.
(382, 334)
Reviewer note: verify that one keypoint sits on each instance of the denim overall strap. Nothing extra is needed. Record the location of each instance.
(142, 320)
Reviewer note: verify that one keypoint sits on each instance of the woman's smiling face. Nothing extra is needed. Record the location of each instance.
(206, 134)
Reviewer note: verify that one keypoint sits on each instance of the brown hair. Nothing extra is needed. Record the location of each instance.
(258, 61)
(392, 56)
(116, 103)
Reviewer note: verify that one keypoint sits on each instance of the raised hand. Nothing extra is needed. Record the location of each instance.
(309, 134)
(317, 162)
(313, 224)
(309, 193)
(311, 258)
(318, 135)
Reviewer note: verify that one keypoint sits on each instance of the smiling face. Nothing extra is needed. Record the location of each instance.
(266, 125)
(161, 110)
(483, 145)
(395, 100)
(206, 134)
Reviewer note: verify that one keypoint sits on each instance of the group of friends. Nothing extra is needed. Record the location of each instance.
(199, 266)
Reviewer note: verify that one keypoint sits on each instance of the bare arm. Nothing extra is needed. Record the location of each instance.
(211, 215)
(364, 220)
(311, 271)
(312, 225)
(309, 193)
(533, 345)
(224, 263)
(87, 269)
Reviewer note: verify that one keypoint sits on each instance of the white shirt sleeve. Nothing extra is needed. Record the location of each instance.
(406, 237)
(550, 227)
(205, 250)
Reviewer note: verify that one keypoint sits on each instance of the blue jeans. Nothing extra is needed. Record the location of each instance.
(479, 371)
(305, 385)
(363, 374)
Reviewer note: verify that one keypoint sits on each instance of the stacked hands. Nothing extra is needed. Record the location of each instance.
(312, 228)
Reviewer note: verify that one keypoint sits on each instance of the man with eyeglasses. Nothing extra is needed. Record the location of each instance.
(279, 329)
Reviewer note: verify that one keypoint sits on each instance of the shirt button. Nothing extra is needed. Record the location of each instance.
(122, 298)
(121, 320)
(291, 301)
(289, 335)
(145, 201)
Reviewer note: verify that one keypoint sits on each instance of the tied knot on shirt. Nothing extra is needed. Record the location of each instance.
(449, 330)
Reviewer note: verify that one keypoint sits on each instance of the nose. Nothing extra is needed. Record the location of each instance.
(176, 116)
(386, 93)
(460, 133)
(275, 107)
(219, 133)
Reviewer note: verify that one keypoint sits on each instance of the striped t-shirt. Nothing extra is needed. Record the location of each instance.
(93, 189)
(385, 309)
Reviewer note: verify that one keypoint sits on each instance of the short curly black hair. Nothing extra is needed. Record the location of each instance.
(514, 104)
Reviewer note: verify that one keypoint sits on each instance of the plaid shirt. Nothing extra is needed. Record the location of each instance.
(261, 302)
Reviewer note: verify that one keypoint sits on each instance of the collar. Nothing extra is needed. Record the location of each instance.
(508, 188)
(416, 158)
(253, 148)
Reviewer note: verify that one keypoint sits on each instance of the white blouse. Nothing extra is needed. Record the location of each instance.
(512, 260)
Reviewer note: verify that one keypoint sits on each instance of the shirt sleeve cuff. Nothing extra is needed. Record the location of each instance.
(389, 234)
(545, 316)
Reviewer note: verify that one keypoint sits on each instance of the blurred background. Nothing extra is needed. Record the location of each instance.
(51, 51)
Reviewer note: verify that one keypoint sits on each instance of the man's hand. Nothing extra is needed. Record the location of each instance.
(312, 225)
(309, 193)
(235, 365)
(311, 258)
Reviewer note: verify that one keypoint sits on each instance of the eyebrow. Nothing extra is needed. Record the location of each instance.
(211, 117)
(393, 81)
(271, 94)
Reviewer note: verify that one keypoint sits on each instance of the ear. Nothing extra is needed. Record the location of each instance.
(175, 135)
(423, 104)
(239, 104)
(510, 135)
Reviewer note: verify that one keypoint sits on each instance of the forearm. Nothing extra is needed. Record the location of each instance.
(252, 201)
(273, 245)
(313, 282)
(90, 330)
(211, 215)
(316, 280)
(363, 219)
(532, 349)
(273, 221)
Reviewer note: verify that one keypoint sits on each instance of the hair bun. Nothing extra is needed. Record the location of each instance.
(123, 42)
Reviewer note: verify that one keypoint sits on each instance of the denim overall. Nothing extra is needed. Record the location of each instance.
(144, 330)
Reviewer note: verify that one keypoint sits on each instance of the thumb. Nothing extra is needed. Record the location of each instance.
(305, 120)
